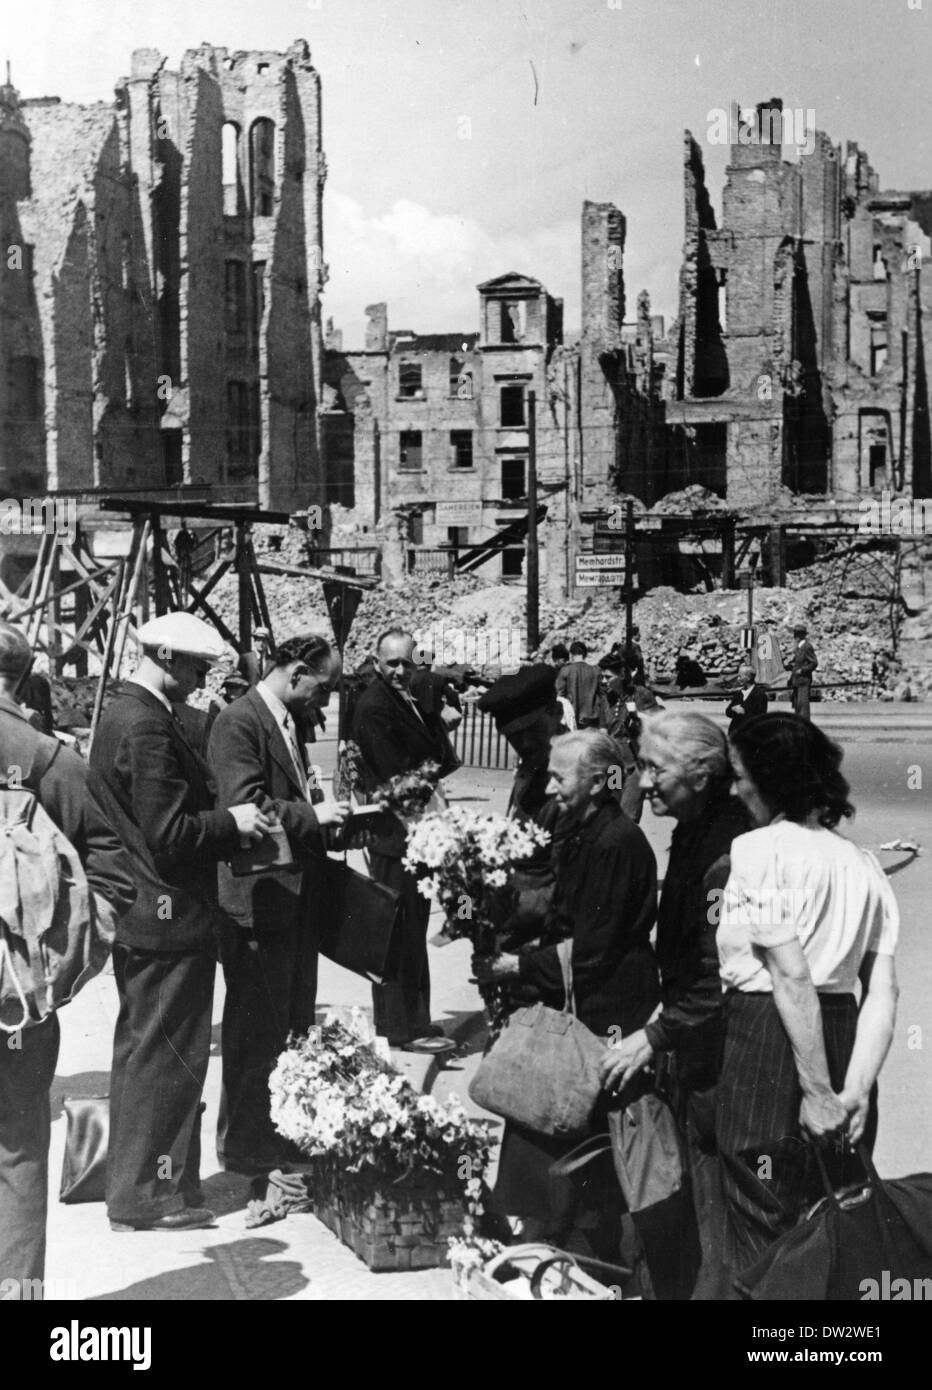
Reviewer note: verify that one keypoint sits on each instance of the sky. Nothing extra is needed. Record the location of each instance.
(463, 135)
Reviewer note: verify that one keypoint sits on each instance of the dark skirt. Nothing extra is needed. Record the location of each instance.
(769, 1174)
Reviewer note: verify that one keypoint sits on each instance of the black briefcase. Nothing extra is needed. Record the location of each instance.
(359, 923)
(84, 1169)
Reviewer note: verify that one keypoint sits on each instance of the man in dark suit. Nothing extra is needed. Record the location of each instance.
(157, 792)
(268, 947)
(395, 735)
(57, 777)
(749, 700)
(805, 662)
(582, 686)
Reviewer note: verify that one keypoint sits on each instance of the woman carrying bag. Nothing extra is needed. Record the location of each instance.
(807, 917)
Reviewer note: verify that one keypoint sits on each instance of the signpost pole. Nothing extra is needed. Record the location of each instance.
(533, 557)
(629, 574)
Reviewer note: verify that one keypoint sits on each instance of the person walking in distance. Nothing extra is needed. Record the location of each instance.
(805, 662)
(158, 793)
(581, 683)
(268, 944)
(31, 761)
(395, 735)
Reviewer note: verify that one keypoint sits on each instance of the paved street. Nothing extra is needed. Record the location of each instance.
(298, 1258)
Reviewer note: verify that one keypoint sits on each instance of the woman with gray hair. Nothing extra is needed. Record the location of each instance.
(686, 774)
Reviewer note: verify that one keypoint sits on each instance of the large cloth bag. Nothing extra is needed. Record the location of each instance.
(852, 1245)
(544, 1071)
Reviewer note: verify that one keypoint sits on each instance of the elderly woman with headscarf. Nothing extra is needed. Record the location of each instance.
(807, 919)
(604, 902)
(686, 775)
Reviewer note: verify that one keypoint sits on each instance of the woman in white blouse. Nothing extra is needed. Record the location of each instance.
(806, 939)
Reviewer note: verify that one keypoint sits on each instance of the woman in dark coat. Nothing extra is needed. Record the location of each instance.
(604, 902)
(686, 774)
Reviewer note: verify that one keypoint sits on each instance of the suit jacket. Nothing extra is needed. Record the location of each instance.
(58, 777)
(251, 761)
(392, 739)
(804, 663)
(582, 686)
(755, 702)
(159, 796)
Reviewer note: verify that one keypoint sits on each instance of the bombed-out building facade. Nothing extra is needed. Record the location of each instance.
(797, 366)
(160, 284)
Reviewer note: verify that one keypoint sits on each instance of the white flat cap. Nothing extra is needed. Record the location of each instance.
(184, 634)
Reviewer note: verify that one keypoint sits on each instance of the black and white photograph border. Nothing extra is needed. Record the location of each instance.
(512, 416)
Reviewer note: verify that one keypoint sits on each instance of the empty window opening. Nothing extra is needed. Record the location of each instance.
(513, 484)
(512, 562)
(878, 345)
(410, 376)
(23, 395)
(723, 301)
(461, 448)
(235, 297)
(262, 167)
(880, 265)
(512, 405)
(231, 176)
(877, 464)
(458, 536)
(512, 321)
(410, 449)
(258, 296)
(460, 380)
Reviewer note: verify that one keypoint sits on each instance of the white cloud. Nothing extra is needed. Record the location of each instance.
(426, 266)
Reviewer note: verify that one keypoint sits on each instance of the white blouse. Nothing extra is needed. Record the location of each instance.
(796, 881)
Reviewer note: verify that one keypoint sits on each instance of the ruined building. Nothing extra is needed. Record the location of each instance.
(803, 343)
(160, 282)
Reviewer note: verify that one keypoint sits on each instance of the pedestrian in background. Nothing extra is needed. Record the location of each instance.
(748, 701)
(581, 683)
(804, 663)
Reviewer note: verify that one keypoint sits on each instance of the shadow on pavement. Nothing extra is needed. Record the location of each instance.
(237, 1271)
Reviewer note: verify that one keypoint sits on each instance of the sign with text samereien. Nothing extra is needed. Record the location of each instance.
(600, 562)
(463, 513)
(601, 579)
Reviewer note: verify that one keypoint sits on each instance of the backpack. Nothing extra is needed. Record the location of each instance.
(46, 935)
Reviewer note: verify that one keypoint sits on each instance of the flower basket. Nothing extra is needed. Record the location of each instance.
(389, 1226)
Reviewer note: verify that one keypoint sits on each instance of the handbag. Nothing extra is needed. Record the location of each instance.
(544, 1071)
(864, 1241)
(87, 1133)
(359, 928)
(645, 1146)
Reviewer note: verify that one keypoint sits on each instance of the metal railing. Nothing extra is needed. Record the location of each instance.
(363, 560)
(478, 743)
(424, 559)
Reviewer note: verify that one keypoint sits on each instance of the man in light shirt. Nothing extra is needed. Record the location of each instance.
(269, 942)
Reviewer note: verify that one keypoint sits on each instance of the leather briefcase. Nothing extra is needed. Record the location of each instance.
(84, 1169)
(359, 923)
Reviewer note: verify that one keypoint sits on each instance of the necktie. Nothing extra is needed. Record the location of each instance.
(292, 740)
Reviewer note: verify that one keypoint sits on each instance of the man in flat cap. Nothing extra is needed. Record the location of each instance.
(805, 662)
(157, 792)
(269, 945)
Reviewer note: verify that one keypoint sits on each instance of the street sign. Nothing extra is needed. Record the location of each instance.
(459, 513)
(601, 579)
(600, 562)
